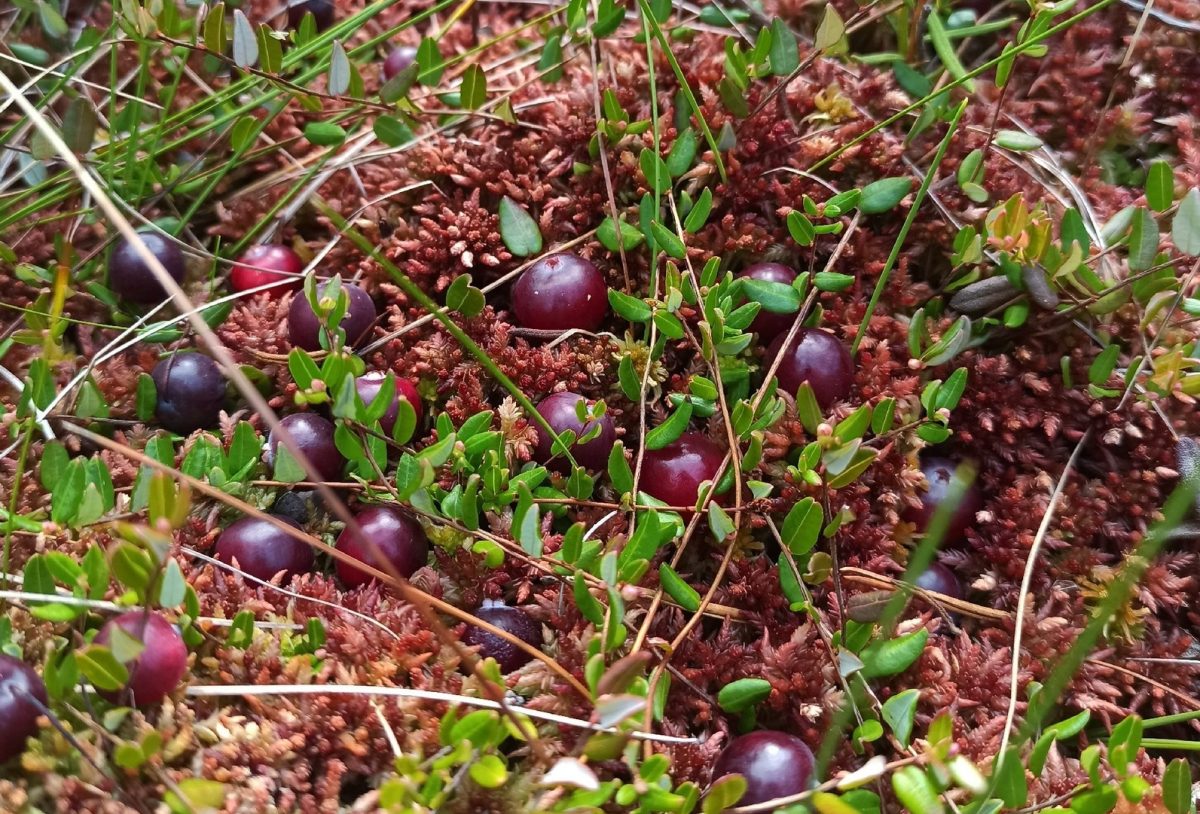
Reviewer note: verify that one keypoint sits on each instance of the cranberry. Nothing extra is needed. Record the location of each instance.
(131, 279)
(559, 411)
(157, 670)
(940, 579)
(368, 386)
(816, 357)
(510, 620)
(560, 292)
(314, 437)
(322, 12)
(19, 685)
(939, 472)
(397, 60)
(191, 392)
(774, 764)
(399, 538)
(768, 324)
(263, 550)
(674, 473)
(304, 329)
(265, 264)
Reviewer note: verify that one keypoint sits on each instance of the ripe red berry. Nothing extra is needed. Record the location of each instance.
(559, 411)
(774, 764)
(314, 436)
(19, 686)
(304, 329)
(263, 550)
(768, 324)
(399, 538)
(674, 473)
(265, 264)
(510, 620)
(816, 357)
(131, 279)
(560, 292)
(939, 473)
(397, 60)
(158, 669)
(322, 12)
(191, 392)
(368, 386)
(940, 579)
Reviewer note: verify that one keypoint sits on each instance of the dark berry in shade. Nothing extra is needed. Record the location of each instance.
(399, 538)
(559, 411)
(774, 764)
(940, 579)
(262, 549)
(314, 436)
(368, 386)
(397, 60)
(304, 329)
(19, 685)
(817, 357)
(768, 324)
(510, 620)
(190, 390)
(258, 267)
(939, 472)
(131, 279)
(674, 473)
(157, 670)
(292, 506)
(560, 292)
(322, 12)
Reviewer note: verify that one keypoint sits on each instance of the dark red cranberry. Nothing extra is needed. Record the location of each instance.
(157, 670)
(322, 12)
(19, 685)
(559, 411)
(397, 60)
(510, 620)
(265, 264)
(940, 579)
(399, 538)
(560, 292)
(674, 473)
(939, 472)
(304, 329)
(191, 392)
(314, 436)
(816, 357)
(263, 550)
(768, 324)
(774, 764)
(131, 279)
(368, 386)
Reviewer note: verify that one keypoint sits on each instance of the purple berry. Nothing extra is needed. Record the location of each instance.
(397, 60)
(158, 669)
(510, 620)
(559, 411)
(314, 436)
(940, 579)
(939, 472)
(560, 292)
(259, 266)
(768, 324)
(19, 685)
(674, 473)
(322, 12)
(399, 538)
(774, 764)
(132, 280)
(191, 392)
(368, 386)
(304, 329)
(817, 357)
(263, 550)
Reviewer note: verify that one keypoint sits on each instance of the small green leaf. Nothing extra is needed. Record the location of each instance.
(883, 195)
(324, 134)
(147, 397)
(785, 56)
(683, 153)
(473, 91)
(429, 59)
(899, 711)
(79, 125)
(801, 228)
(1010, 783)
(916, 791)
(607, 233)
(892, 656)
(100, 666)
(743, 694)
(696, 218)
(830, 30)
(724, 793)
(802, 526)
(1160, 186)
(245, 42)
(489, 772)
(339, 70)
(670, 430)
(518, 230)
(685, 595)
(655, 170)
(631, 308)
(668, 241)
(1017, 141)
(778, 298)
(1185, 228)
(392, 131)
(832, 281)
(1177, 787)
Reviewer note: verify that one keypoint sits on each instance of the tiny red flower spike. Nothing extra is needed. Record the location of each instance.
(262, 550)
(673, 474)
(158, 669)
(132, 280)
(559, 410)
(939, 472)
(20, 687)
(265, 264)
(190, 392)
(398, 537)
(817, 357)
(774, 764)
(368, 386)
(768, 324)
(397, 60)
(560, 292)
(304, 329)
(510, 620)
